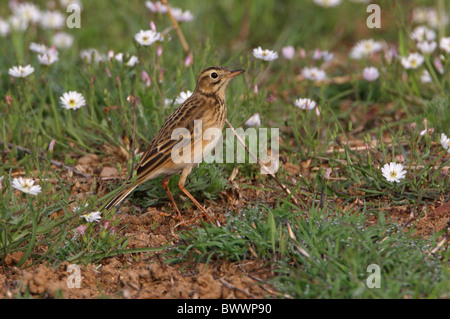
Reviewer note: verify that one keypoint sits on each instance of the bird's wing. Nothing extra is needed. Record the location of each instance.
(159, 153)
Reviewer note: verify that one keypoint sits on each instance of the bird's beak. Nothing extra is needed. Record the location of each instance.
(233, 73)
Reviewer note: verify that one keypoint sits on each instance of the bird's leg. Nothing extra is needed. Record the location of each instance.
(181, 182)
(165, 184)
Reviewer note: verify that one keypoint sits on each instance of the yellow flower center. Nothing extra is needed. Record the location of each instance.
(72, 102)
(393, 174)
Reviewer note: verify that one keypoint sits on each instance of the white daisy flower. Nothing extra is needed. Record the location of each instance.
(412, 61)
(21, 71)
(49, 57)
(328, 3)
(444, 44)
(38, 48)
(92, 55)
(266, 55)
(168, 102)
(427, 47)
(132, 61)
(182, 16)
(434, 20)
(26, 186)
(422, 33)
(5, 29)
(365, 48)
(445, 142)
(325, 55)
(183, 97)
(425, 77)
(305, 104)
(92, 217)
(156, 6)
(27, 12)
(371, 73)
(77, 208)
(420, 15)
(72, 100)
(393, 172)
(118, 57)
(62, 40)
(147, 37)
(254, 120)
(314, 74)
(17, 23)
(53, 20)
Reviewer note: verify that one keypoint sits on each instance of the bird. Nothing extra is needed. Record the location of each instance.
(207, 104)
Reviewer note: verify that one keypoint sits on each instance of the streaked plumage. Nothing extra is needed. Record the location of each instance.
(207, 103)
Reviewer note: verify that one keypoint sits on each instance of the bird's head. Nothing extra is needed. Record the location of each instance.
(214, 80)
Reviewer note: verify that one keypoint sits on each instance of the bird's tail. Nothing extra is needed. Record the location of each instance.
(118, 199)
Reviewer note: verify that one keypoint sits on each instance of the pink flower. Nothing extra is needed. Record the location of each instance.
(81, 229)
(317, 111)
(302, 53)
(371, 74)
(288, 52)
(325, 55)
(52, 145)
(146, 78)
(189, 60)
(8, 99)
(438, 65)
(429, 130)
(328, 173)
(390, 54)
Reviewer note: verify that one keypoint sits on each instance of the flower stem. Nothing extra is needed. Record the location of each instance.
(55, 112)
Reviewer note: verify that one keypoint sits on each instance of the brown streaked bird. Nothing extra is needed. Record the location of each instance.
(207, 103)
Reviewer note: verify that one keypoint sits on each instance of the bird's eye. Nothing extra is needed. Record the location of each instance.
(214, 75)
